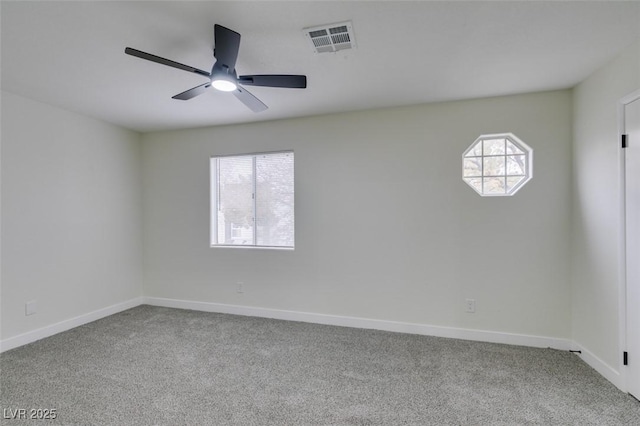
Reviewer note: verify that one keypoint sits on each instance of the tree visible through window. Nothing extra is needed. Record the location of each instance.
(497, 164)
(252, 200)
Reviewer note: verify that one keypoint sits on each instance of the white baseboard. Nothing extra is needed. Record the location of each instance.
(50, 330)
(345, 321)
(596, 363)
(601, 367)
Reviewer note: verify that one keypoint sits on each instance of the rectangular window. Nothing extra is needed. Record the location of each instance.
(252, 200)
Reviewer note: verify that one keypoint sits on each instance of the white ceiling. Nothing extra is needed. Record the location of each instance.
(71, 54)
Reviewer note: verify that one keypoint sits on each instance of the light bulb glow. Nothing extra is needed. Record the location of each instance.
(224, 85)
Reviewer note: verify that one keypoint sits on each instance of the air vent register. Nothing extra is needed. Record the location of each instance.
(331, 37)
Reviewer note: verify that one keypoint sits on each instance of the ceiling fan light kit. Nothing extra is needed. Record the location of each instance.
(223, 74)
(223, 85)
(224, 81)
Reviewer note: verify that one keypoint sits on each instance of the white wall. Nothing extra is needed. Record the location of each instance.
(385, 227)
(71, 215)
(597, 215)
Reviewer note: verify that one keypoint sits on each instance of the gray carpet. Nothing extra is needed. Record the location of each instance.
(152, 365)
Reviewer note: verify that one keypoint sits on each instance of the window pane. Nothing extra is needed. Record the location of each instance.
(473, 166)
(475, 183)
(493, 147)
(513, 181)
(516, 165)
(476, 151)
(513, 149)
(493, 166)
(235, 200)
(493, 185)
(275, 200)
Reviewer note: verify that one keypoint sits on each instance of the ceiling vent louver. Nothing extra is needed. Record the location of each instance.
(331, 37)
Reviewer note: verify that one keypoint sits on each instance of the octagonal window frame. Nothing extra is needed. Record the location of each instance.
(514, 155)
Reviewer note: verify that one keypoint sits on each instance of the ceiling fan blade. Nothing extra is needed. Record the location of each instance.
(227, 44)
(192, 93)
(253, 103)
(275, 80)
(163, 61)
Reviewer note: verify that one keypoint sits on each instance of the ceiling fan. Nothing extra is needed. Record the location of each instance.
(223, 75)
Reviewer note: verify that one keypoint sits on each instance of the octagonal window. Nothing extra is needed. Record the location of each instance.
(497, 165)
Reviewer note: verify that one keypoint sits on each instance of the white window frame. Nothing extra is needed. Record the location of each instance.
(214, 202)
(528, 153)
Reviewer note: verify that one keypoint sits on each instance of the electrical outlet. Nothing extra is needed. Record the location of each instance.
(470, 306)
(31, 307)
(240, 287)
